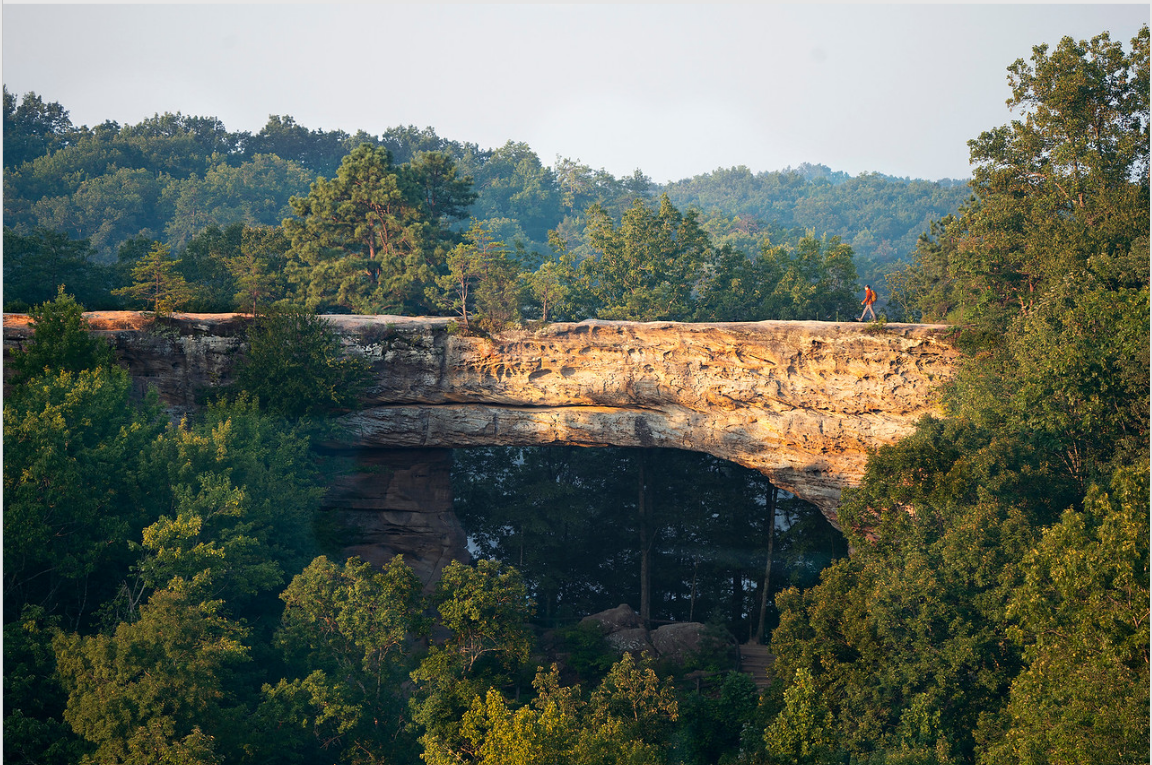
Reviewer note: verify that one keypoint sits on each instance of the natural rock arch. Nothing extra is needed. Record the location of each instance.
(802, 402)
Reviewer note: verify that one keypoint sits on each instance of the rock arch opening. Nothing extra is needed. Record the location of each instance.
(577, 521)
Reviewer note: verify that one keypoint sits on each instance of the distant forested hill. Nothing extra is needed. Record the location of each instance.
(173, 176)
(879, 216)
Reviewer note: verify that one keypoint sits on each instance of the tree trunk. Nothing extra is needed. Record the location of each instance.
(738, 599)
(772, 493)
(643, 510)
(692, 599)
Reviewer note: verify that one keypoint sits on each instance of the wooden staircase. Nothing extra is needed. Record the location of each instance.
(756, 661)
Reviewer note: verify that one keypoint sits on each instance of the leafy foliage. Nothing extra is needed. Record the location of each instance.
(644, 269)
(349, 628)
(815, 280)
(34, 726)
(295, 366)
(1081, 614)
(879, 217)
(145, 693)
(242, 501)
(804, 731)
(486, 610)
(33, 128)
(711, 727)
(60, 342)
(36, 266)
(620, 723)
(74, 446)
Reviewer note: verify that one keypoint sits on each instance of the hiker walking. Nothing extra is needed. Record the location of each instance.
(869, 299)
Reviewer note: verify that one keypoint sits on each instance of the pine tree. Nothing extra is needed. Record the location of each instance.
(156, 282)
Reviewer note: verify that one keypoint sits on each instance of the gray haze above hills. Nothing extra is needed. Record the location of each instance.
(674, 90)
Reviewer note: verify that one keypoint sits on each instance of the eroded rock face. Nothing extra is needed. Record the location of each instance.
(398, 502)
(622, 617)
(680, 642)
(181, 360)
(802, 402)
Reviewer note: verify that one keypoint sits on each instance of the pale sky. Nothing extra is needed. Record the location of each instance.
(675, 90)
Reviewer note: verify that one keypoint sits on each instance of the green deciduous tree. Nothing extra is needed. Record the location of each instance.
(33, 128)
(156, 689)
(348, 631)
(1047, 270)
(953, 560)
(238, 513)
(252, 193)
(634, 700)
(625, 721)
(485, 609)
(712, 724)
(497, 735)
(804, 733)
(1082, 615)
(512, 183)
(106, 207)
(34, 701)
(906, 640)
(318, 150)
(306, 719)
(813, 280)
(60, 342)
(73, 449)
(36, 265)
(1076, 374)
(1061, 192)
